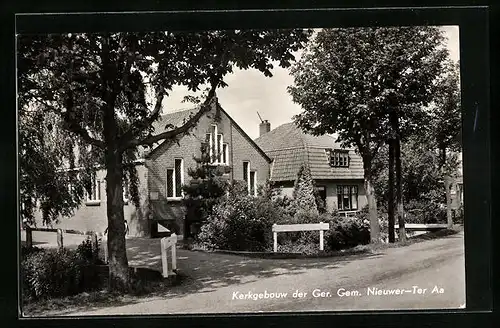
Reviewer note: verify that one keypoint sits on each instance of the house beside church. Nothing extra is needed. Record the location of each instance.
(337, 172)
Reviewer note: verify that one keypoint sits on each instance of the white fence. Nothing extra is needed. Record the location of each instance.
(166, 243)
(321, 227)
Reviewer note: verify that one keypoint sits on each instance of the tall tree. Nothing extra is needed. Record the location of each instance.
(414, 57)
(99, 86)
(445, 126)
(368, 85)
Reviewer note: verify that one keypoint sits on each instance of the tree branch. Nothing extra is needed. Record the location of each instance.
(142, 124)
(150, 140)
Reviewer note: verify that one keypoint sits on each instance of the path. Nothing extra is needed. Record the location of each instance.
(218, 280)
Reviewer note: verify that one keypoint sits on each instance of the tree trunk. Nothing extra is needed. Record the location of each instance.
(390, 203)
(399, 191)
(447, 186)
(119, 276)
(372, 202)
(118, 263)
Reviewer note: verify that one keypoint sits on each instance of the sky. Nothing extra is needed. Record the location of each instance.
(249, 92)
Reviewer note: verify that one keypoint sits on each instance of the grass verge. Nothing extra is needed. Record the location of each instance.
(144, 287)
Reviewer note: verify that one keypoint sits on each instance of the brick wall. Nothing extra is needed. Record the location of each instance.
(243, 150)
(93, 216)
(188, 147)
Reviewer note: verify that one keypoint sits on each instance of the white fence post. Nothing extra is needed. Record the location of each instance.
(165, 244)
(164, 262)
(104, 242)
(275, 239)
(174, 252)
(321, 227)
(321, 245)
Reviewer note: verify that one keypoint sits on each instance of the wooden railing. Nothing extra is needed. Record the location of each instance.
(423, 227)
(60, 236)
(348, 214)
(321, 227)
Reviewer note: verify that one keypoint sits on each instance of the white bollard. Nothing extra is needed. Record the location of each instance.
(165, 244)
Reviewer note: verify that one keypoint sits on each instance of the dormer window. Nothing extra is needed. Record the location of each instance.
(339, 158)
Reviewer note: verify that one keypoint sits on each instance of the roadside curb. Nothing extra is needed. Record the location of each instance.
(283, 256)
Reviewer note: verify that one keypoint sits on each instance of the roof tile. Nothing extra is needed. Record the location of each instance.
(290, 147)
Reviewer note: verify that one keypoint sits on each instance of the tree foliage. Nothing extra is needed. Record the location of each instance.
(100, 87)
(205, 189)
(304, 193)
(368, 85)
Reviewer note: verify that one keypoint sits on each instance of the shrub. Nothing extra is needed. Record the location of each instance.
(241, 223)
(51, 273)
(88, 252)
(59, 272)
(459, 215)
(425, 212)
(304, 191)
(347, 232)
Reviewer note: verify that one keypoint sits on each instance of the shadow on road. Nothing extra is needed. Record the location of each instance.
(207, 272)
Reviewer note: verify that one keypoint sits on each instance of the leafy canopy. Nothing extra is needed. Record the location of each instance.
(348, 80)
(80, 80)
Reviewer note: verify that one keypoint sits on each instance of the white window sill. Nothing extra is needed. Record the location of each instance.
(93, 203)
(175, 199)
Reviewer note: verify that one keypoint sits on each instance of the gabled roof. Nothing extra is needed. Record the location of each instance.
(178, 118)
(290, 147)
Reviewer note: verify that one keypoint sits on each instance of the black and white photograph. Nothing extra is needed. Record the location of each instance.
(240, 171)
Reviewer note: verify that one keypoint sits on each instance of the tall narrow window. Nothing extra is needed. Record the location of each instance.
(347, 197)
(170, 183)
(225, 154)
(93, 190)
(175, 179)
(178, 178)
(253, 183)
(213, 140)
(209, 144)
(246, 174)
(219, 148)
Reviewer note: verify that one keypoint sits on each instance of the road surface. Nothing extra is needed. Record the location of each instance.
(425, 275)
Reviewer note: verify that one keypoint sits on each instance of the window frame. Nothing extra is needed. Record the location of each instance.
(254, 183)
(225, 155)
(174, 182)
(350, 194)
(247, 171)
(96, 192)
(339, 158)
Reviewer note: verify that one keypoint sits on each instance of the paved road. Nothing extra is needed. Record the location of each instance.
(426, 275)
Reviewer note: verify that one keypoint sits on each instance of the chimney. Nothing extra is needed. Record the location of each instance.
(264, 127)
